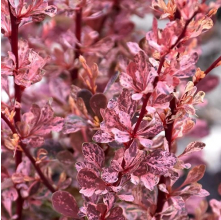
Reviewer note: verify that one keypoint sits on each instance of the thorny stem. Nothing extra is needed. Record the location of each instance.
(14, 47)
(27, 153)
(78, 21)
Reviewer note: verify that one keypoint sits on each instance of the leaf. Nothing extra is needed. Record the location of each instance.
(93, 154)
(193, 147)
(126, 104)
(65, 157)
(127, 198)
(150, 180)
(116, 214)
(92, 212)
(73, 123)
(64, 203)
(162, 187)
(111, 82)
(89, 182)
(39, 122)
(160, 161)
(133, 47)
(97, 102)
(86, 95)
(109, 175)
(109, 199)
(216, 206)
(103, 137)
(208, 83)
(195, 174)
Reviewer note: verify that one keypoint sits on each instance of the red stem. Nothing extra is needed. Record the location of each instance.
(27, 153)
(17, 117)
(14, 48)
(210, 68)
(78, 21)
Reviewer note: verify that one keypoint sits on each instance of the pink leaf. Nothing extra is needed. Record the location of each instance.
(160, 161)
(64, 203)
(127, 198)
(93, 154)
(103, 137)
(193, 147)
(109, 175)
(150, 180)
(89, 181)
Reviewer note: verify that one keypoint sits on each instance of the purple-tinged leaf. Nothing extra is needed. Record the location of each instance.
(116, 214)
(193, 147)
(109, 175)
(93, 154)
(73, 123)
(92, 212)
(65, 157)
(120, 136)
(64, 203)
(111, 82)
(97, 102)
(208, 83)
(10, 194)
(126, 104)
(195, 174)
(109, 199)
(150, 180)
(160, 161)
(103, 137)
(127, 198)
(89, 182)
(133, 47)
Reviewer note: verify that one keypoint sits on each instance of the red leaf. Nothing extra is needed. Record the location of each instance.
(195, 174)
(64, 203)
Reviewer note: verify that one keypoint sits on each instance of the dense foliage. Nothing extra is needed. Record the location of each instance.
(93, 107)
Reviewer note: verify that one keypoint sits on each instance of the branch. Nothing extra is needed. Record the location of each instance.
(14, 48)
(210, 68)
(27, 153)
(78, 21)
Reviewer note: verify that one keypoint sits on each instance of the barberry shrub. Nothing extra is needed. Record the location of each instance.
(92, 108)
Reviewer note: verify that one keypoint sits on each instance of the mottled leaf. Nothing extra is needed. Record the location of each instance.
(193, 147)
(93, 154)
(109, 175)
(160, 161)
(64, 203)
(150, 180)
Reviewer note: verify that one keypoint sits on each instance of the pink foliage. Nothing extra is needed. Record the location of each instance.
(91, 121)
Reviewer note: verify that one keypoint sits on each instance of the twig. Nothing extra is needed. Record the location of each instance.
(14, 48)
(27, 153)
(209, 69)
(78, 21)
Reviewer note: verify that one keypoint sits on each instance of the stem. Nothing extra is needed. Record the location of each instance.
(209, 69)
(27, 153)
(14, 48)
(162, 197)
(78, 21)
